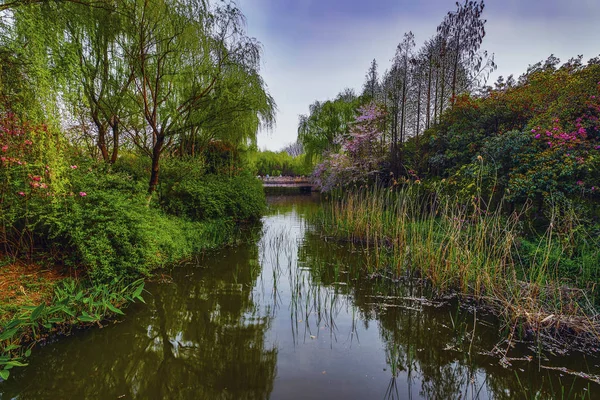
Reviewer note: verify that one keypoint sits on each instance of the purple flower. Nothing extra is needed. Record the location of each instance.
(82, 194)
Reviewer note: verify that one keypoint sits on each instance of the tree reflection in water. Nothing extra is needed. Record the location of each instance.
(199, 337)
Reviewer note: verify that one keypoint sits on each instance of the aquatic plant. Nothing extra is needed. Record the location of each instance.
(476, 252)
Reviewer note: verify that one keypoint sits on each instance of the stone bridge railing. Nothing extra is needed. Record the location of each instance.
(288, 182)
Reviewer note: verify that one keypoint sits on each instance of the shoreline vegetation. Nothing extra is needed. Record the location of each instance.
(85, 274)
(487, 192)
(124, 133)
(475, 253)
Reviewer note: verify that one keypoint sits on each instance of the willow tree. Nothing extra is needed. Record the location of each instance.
(100, 78)
(182, 54)
(327, 122)
(235, 109)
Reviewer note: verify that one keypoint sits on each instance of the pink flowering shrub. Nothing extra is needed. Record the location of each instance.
(361, 156)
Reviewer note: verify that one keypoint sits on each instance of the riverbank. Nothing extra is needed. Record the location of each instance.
(25, 284)
(480, 255)
(38, 303)
(78, 259)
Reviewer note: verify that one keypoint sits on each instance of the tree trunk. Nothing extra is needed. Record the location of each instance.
(455, 72)
(427, 118)
(156, 152)
(101, 136)
(435, 98)
(418, 111)
(116, 136)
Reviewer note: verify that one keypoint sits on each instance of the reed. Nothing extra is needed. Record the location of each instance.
(470, 250)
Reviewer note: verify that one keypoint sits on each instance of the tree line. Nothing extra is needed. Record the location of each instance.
(419, 85)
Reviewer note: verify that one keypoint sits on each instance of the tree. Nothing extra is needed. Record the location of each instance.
(182, 53)
(103, 77)
(322, 129)
(371, 88)
(463, 30)
(397, 84)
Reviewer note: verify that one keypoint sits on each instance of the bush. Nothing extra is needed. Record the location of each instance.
(133, 165)
(240, 198)
(106, 225)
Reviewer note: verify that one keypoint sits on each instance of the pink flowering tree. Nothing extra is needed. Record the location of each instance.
(362, 153)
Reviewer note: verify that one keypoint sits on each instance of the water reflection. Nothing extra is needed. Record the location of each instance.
(290, 315)
(199, 337)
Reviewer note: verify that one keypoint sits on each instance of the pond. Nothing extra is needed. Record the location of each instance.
(288, 314)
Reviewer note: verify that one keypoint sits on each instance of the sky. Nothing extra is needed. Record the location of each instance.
(313, 49)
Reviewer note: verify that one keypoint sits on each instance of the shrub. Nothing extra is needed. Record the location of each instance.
(213, 197)
(106, 226)
(133, 165)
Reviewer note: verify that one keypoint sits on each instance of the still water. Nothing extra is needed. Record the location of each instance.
(287, 314)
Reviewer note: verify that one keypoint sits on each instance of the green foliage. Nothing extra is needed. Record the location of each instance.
(220, 157)
(134, 165)
(72, 305)
(327, 123)
(539, 138)
(213, 197)
(106, 225)
(275, 163)
(32, 175)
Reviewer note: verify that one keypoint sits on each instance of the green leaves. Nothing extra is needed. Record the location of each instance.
(37, 312)
(85, 317)
(8, 334)
(73, 304)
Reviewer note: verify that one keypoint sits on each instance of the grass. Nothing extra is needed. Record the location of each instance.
(475, 252)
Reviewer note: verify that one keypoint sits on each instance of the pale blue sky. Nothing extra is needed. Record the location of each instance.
(315, 48)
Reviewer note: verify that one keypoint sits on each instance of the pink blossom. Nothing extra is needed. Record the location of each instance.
(36, 178)
(82, 194)
(21, 194)
(28, 142)
(73, 166)
(533, 130)
(4, 148)
(579, 183)
(537, 136)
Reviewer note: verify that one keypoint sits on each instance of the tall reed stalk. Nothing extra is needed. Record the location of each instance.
(465, 249)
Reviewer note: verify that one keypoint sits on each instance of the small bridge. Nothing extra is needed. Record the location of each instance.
(303, 184)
